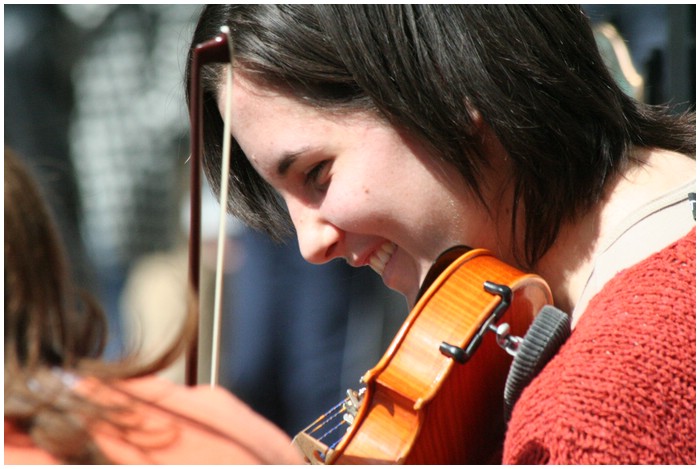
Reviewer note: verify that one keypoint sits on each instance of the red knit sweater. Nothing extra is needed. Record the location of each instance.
(622, 388)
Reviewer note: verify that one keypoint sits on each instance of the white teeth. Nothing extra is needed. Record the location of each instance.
(380, 258)
(376, 265)
(389, 248)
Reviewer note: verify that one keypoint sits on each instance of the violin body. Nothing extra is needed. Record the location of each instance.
(422, 407)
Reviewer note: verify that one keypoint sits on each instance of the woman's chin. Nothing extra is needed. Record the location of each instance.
(395, 276)
(408, 292)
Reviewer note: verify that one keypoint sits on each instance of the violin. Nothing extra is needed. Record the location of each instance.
(436, 396)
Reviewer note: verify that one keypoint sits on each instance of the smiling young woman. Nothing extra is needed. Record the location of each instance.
(386, 134)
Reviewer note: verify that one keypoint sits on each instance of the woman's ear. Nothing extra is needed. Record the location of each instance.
(476, 117)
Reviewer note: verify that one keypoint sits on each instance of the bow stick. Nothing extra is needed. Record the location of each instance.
(216, 50)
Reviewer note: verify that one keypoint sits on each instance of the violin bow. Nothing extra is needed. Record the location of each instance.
(216, 50)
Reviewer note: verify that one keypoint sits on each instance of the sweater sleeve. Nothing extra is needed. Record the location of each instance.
(622, 389)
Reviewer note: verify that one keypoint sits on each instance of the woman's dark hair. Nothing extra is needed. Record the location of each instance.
(533, 72)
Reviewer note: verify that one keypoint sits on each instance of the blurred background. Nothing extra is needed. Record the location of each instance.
(94, 103)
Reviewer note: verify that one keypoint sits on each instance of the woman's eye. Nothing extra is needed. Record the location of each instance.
(317, 177)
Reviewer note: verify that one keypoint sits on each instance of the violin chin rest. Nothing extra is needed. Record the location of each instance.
(547, 333)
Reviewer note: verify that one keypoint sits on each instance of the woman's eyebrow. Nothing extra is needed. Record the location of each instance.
(288, 159)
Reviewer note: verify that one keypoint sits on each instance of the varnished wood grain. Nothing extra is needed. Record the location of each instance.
(424, 408)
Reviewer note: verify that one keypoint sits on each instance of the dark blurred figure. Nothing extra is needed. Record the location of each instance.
(92, 94)
(128, 138)
(40, 50)
(661, 41)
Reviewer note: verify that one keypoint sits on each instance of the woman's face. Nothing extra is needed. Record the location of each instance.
(356, 188)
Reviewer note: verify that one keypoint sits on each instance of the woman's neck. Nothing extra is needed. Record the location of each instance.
(568, 265)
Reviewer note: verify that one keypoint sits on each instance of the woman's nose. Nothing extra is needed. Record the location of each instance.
(318, 238)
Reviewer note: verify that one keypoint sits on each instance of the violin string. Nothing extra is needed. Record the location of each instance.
(324, 420)
(341, 436)
(331, 431)
(321, 421)
(329, 416)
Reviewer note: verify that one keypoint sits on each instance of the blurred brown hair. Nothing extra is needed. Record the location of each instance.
(54, 331)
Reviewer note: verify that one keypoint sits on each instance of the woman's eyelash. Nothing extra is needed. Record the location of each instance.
(312, 177)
